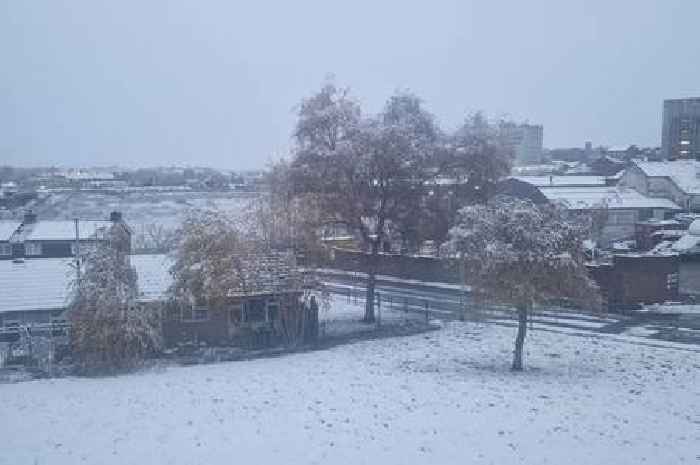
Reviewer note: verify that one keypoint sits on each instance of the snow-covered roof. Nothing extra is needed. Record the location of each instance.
(35, 284)
(153, 275)
(688, 244)
(544, 181)
(684, 173)
(43, 283)
(7, 228)
(63, 230)
(581, 198)
(694, 228)
(690, 241)
(618, 148)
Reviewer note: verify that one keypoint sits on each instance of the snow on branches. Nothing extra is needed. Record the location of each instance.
(519, 253)
(109, 329)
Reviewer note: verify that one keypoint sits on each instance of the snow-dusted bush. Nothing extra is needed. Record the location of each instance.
(110, 331)
(517, 253)
(214, 259)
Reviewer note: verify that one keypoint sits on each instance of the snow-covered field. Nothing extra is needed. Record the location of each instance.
(443, 397)
(165, 208)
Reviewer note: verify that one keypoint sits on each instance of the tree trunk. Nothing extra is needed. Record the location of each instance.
(520, 338)
(371, 282)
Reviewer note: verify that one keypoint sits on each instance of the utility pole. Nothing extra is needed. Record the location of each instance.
(463, 297)
(77, 250)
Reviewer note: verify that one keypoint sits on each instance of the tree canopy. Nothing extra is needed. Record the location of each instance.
(521, 254)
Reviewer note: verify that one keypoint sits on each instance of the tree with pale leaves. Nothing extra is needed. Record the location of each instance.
(521, 254)
(216, 261)
(212, 257)
(368, 172)
(109, 329)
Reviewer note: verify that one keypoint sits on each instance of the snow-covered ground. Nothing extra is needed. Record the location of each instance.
(167, 209)
(443, 397)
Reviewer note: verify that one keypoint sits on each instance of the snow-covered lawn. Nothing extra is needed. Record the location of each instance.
(443, 397)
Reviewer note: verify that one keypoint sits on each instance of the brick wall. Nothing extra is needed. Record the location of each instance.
(400, 266)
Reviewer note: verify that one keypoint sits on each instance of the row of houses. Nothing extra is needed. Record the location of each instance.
(35, 238)
(39, 268)
(38, 293)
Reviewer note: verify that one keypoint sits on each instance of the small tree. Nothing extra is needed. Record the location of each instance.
(109, 330)
(520, 254)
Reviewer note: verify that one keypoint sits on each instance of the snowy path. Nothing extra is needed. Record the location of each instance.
(445, 397)
(444, 301)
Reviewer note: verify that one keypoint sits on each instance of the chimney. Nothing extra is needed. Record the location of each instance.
(115, 217)
(29, 217)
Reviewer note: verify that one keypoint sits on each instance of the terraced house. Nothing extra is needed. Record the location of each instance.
(34, 238)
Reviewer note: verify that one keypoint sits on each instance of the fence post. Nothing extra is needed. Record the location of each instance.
(427, 314)
(379, 310)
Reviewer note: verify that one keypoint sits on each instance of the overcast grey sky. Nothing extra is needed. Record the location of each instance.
(215, 82)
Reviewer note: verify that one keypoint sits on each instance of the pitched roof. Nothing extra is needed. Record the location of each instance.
(40, 284)
(44, 283)
(37, 284)
(582, 198)
(684, 173)
(516, 187)
(63, 230)
(545, 181)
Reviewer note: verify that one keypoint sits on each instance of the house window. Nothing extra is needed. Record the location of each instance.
(32, 248)
(5, 249)
(254, 310)
(194, 314)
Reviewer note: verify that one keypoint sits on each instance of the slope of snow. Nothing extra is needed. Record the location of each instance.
(444, 397)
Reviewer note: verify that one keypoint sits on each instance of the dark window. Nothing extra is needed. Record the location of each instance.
(255, 310)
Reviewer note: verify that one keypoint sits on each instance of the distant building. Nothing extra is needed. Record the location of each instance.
(575, 154)
(623, 208)
(680, 136)
(525, 140)
(674, 180)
